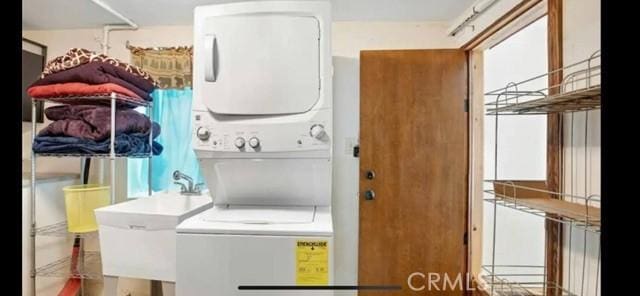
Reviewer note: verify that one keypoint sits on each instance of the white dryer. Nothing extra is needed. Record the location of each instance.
(263, 135)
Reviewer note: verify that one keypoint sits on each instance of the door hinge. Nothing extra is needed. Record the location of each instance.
(356, 151)
(466, 238)
(466, 105)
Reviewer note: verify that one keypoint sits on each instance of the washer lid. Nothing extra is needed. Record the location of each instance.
(260, 215)
(251, 220)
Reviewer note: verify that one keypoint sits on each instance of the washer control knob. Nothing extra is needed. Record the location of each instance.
(202, 133)
(317, 131)
(239, 142)
(254, 142)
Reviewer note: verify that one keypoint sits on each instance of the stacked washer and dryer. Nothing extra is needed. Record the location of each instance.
(263, 136)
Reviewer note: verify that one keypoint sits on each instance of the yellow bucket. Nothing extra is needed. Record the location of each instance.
(80, 201)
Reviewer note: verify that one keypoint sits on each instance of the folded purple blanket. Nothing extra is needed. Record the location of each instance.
(92, 122)
(99, 73)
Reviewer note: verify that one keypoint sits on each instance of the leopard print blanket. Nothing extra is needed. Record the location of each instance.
(79, 56)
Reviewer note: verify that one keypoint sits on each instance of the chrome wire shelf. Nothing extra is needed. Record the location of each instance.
(90, 269)
(574, 101)
(539, 213)
(101, 99)
(519, 280)
(60, 230)
(579, 91)
(97, 155)
(572, 210)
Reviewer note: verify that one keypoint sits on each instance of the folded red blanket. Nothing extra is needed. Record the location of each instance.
(99, 73)
(78, 89)
(92, 122)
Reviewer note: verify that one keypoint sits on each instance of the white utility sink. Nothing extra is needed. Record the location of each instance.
(138, 237)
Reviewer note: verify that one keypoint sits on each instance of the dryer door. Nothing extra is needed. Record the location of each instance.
(260, 64)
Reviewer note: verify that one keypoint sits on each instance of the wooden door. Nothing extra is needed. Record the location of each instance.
(413, 136)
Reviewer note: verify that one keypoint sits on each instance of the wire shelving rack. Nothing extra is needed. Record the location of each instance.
(579, 91)
(88, 266)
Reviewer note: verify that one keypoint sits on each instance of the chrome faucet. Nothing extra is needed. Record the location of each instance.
(188, 189)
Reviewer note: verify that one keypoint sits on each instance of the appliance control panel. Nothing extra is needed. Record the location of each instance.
(271, 137)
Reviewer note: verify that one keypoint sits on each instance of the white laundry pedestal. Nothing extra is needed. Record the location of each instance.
(138, 238)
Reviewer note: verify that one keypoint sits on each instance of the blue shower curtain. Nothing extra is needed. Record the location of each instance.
(172, 110)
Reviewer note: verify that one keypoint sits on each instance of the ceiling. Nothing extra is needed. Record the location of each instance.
(76, 14)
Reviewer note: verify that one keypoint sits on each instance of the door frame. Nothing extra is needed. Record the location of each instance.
(519, 17)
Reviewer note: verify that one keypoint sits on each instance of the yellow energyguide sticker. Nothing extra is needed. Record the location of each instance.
(312, 262)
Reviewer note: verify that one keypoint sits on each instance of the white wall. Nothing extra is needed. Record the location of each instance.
(521, 149)
(581, 37)
(348, 39)
(351, 37)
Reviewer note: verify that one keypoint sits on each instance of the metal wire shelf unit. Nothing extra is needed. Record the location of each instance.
(580, 213)
(520, 280)
(89, 267)
(579, 91)
(60, 230)
(86, 267)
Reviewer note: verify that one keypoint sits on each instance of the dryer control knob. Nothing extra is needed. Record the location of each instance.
(239, 142)
(254, 142)
(202, 133)
(317, 131)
